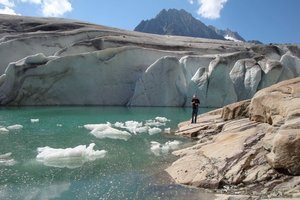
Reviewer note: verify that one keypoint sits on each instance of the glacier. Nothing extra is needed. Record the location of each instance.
(79, 63)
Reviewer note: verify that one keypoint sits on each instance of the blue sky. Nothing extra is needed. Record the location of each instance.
(270, 21)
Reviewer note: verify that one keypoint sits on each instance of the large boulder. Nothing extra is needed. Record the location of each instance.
(279, 106)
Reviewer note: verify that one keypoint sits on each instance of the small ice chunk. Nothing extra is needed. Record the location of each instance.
(167, 130)
(162, 119)
(119, 125)
(162, 149)
(3, 130)
(69, 157)
(106, 131)
(154, 130)
(94, 126)
(5, 160)
(132, 126)
(152, 122)
(143, 129)
(15, 127)
(173, 144)
(155, 147)
(34, 120)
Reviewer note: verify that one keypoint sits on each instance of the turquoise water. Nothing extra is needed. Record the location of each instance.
(129, 170)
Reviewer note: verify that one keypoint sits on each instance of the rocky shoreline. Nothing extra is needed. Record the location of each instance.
(247, 148)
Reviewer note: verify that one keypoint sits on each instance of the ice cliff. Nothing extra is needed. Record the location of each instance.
(47, 61)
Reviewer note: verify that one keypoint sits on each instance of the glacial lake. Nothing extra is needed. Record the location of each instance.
(48, 153)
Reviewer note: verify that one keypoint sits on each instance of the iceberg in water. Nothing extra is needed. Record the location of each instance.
(6, 160)
(106, 131)
(154, 130)
(69, 157)
(3, 130)
(162, 119)
(132, 126)
(15, 127)
(158, 121)
(152, 122)
(162, 149)
(167, 130)
(34, 120)
(9, 128)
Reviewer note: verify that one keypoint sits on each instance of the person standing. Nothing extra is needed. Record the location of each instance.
(195, 104)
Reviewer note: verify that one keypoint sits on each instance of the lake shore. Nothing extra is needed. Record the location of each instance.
(248, 148)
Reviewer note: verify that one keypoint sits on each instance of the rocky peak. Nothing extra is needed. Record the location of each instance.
(177, 22)
(228, 34)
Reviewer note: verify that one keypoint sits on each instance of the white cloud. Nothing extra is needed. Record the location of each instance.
(6, 7)
(52, 8)
(8, 11)
(56, 8)
(191, 1)
(32, 1)
(7, 3)
(211, 8)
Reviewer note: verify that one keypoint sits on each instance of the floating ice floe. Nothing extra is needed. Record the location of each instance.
(69, 157)
(154, 130)
(15, 127)
(6, 160)
(162, 149)
(167, 130)
(34, 120)
(152, 122)
(132, 126)
(106, 131)
(162, 119)
(3, 130)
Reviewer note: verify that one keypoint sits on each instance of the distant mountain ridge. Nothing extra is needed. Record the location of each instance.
(182, 23)
(228, 34)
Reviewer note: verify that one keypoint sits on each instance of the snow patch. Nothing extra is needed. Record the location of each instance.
(69, 157)
(227, 37)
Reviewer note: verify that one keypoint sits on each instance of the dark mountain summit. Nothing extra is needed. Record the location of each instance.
(177, 22)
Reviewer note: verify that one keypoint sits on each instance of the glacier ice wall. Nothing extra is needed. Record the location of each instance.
(86, 64)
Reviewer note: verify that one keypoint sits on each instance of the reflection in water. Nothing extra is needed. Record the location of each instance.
(36, 192)
(160, 186)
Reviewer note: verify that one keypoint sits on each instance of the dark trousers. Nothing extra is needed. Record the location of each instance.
(194, 115)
